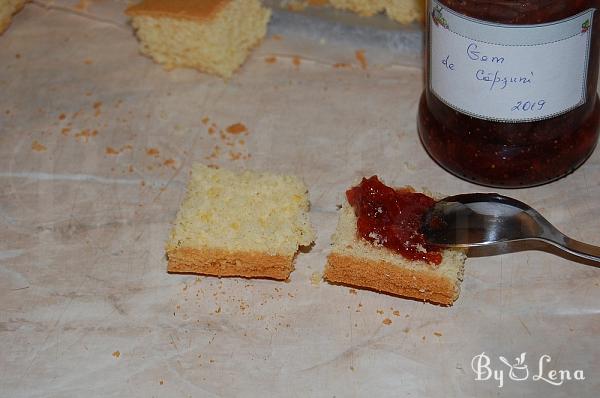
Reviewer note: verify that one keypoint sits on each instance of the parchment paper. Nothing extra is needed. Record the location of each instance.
(96, 142)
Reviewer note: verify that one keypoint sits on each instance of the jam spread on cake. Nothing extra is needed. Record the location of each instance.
(393, 218)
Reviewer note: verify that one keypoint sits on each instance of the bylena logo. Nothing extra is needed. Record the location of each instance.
(519, 371)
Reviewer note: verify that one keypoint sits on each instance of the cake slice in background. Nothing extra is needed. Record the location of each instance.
(214, 36)
(406, 11)
(403, 11)
(240, 224)
(8, 8)
(434, 276)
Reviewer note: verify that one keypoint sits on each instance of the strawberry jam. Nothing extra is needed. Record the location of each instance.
(514, 153)
(393, 218)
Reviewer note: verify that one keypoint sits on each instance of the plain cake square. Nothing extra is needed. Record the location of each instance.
(214, 36)
(246, 224)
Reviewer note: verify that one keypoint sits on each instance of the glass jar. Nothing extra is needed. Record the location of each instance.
(511, 88)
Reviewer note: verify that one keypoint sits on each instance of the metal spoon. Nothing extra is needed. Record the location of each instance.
(487, 219)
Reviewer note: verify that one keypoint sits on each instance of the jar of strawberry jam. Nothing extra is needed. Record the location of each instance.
(511, 88)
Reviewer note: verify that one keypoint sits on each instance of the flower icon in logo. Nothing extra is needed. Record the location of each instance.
(518, 370)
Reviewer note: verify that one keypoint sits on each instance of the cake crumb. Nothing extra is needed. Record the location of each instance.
(111, 151)
(82, 5)
(169, 163)
(340, 65)
(352, 291)
(315, 278)
(387, 321)
(396, 313)
(116, 354)
(380, 312)
(205, 120)
(161, 382)
(236, 128)
(152, 152)
(277, 37)
(438, 334)
(271, 60)
(420, 248)
(97, 108)
(86, 134)
(234, 155)
(361, 58)
(296, 61)
(36, 146)
(62, 116)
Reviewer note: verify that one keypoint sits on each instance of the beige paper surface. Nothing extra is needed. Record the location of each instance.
(96, 142)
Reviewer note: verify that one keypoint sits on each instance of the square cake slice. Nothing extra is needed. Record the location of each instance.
(214, 36)
(244, 224)
(403, 11)
(406, 11)
(363, 263)
(7, 9)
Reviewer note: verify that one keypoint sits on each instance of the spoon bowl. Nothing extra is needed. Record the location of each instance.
(487, 219)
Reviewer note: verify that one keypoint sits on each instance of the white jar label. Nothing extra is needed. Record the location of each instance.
(508, 73)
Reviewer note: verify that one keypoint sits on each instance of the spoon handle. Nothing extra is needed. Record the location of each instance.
(577, 248)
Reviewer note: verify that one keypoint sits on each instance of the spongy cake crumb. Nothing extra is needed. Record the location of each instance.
(7, 9)
(243, 212)
(214, 36)
(403, 11)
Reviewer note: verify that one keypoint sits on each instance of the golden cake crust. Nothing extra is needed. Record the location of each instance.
(218, 262)
(6, 15)
(186, 9)
(213, 36)
(388, 278)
